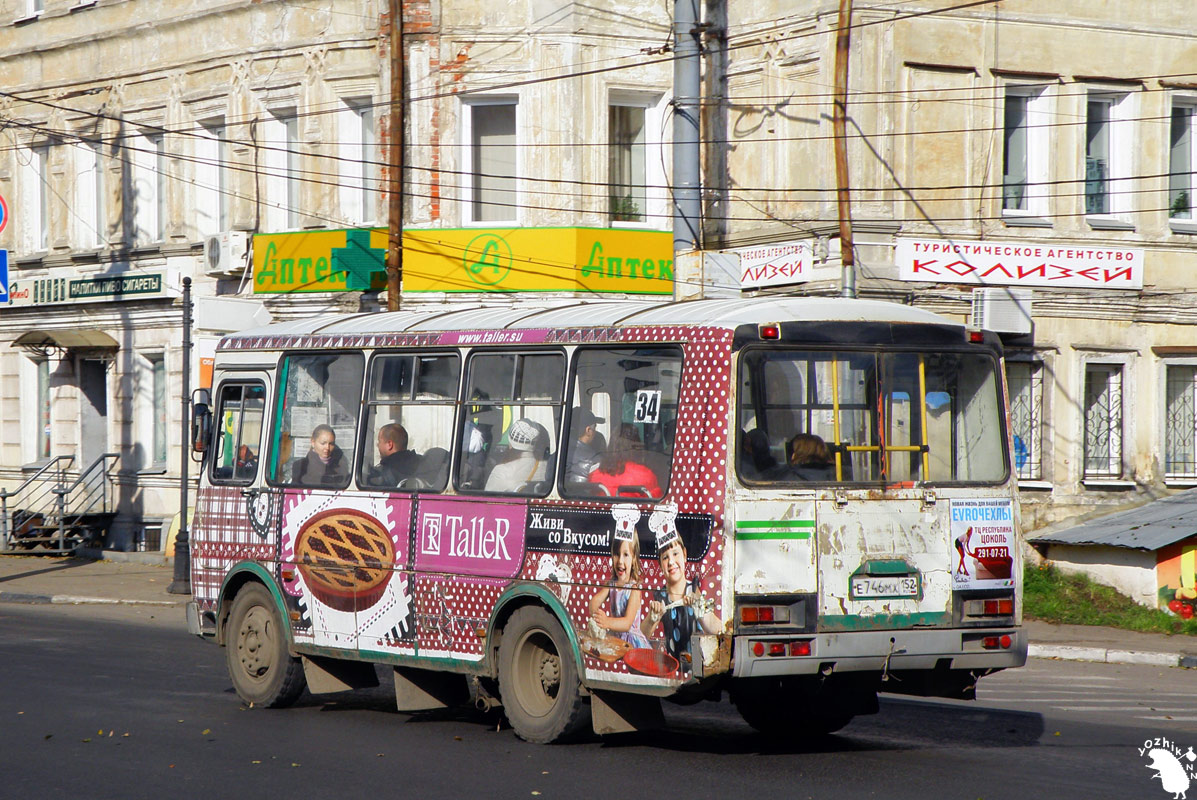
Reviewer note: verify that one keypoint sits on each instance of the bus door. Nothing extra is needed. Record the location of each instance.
(235, 519)
(925, 432)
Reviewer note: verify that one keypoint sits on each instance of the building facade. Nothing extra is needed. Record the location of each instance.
(1003, 167)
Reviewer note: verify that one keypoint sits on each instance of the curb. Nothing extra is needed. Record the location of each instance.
(73, 600)
(1110, 656)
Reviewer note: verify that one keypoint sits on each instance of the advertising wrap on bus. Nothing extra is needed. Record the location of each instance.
(574, 522)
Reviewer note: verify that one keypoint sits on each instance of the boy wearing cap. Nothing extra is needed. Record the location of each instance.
(584, 454)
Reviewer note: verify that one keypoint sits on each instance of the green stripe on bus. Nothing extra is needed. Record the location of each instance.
(752, 536)
(756, 530)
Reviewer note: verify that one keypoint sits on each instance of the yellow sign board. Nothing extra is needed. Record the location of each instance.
(595, 260)
(599, 260)
(320, 261)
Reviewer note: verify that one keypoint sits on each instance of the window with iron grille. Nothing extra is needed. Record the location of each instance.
(1180, 422)
(1103, 421)
(1025, 380)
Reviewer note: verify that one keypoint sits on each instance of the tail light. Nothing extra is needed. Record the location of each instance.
(764, 615)
(1002, 642)
(774, 648)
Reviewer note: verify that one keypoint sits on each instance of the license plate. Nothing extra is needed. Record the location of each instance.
(867, 586)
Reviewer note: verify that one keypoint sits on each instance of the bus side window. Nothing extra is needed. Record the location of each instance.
(508, 439)
(408, 430)
(623, 419)
(317, 416)
(240, 411)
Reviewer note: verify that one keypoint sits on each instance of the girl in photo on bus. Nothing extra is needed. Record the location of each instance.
(624, 619)
(324, 465)
(680, 606)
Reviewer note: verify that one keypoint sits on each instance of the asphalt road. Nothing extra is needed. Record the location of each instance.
(119, 702)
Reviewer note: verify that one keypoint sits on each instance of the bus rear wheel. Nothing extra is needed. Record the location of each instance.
(795, 708)
(538, 678)
(263, 672)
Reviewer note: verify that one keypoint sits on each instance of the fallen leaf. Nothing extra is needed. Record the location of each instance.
(457, 738)
(206, 731)
(87, 740)
(294, 764)
(48, 736)
(255, 761)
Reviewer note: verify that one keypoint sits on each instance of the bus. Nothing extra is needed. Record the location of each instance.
(577, 511)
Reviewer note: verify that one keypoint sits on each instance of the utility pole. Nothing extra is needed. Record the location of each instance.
(843, 195)
(182, 570)
(395, 162)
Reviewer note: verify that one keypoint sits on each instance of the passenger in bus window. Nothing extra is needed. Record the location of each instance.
(810, 460)
(525, 459)
(586, 448)
(620, 471)
(395, 462)
(324, 464)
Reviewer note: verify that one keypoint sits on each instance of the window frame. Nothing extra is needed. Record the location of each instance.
(211, 162)
(1188, 220)
(233, 479)
(1171, 477)
(469, 168)
(365, 421)
(1037, 381)
(359, 183)
(274, 422)
(1118, 434)
(281, 161)
(573, 401)
(1118, 194)
(1037, 132)
(551, 463)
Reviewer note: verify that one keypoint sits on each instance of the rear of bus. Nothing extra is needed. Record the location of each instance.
(875, 516)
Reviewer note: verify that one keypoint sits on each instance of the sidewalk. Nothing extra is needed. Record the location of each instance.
(142, 579)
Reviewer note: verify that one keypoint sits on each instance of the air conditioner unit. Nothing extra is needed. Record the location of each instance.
(224, 253)
(1002, 309)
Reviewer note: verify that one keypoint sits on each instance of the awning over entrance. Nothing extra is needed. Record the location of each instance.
(67, 339)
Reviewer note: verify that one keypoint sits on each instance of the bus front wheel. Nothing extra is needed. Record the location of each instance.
(263, 672)
(538, 678)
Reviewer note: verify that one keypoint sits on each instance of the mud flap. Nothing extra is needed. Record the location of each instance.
(328, 675)
(424, 690)
(620, 712)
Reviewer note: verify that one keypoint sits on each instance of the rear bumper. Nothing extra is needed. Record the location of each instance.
(875, 651)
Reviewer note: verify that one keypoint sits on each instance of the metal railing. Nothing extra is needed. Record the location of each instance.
(49, 502)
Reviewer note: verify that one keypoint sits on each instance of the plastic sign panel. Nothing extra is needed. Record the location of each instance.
(983, 542)
(320, 261)
(597, 260)
(3, 276)
(1018, 264)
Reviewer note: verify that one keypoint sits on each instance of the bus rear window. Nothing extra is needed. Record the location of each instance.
(875, 417)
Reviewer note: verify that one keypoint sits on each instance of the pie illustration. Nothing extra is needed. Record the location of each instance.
(346, 558)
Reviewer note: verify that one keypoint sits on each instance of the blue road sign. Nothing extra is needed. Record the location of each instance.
(3, 276)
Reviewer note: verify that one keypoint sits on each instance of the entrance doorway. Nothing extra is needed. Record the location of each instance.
(93, 410)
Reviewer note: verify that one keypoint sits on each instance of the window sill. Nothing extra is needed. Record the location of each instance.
(152, 470)
(1180, 483)
(1029, 221)
(1105, 223)
(1035, 486)
(81, 4)
(27, 18)
(1108, 483)
(1183, 226)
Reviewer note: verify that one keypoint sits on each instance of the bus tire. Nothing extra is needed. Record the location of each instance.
(786, 708)
(538, 678)
(263, 672)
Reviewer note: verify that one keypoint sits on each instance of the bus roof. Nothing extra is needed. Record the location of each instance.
(728, 313)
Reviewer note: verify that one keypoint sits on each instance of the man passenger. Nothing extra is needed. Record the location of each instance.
(396, 461)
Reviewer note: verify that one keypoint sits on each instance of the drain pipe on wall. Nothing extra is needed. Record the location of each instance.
(687, 91)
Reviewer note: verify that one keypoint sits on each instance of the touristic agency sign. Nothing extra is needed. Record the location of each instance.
(774, 264)
(996, 263)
